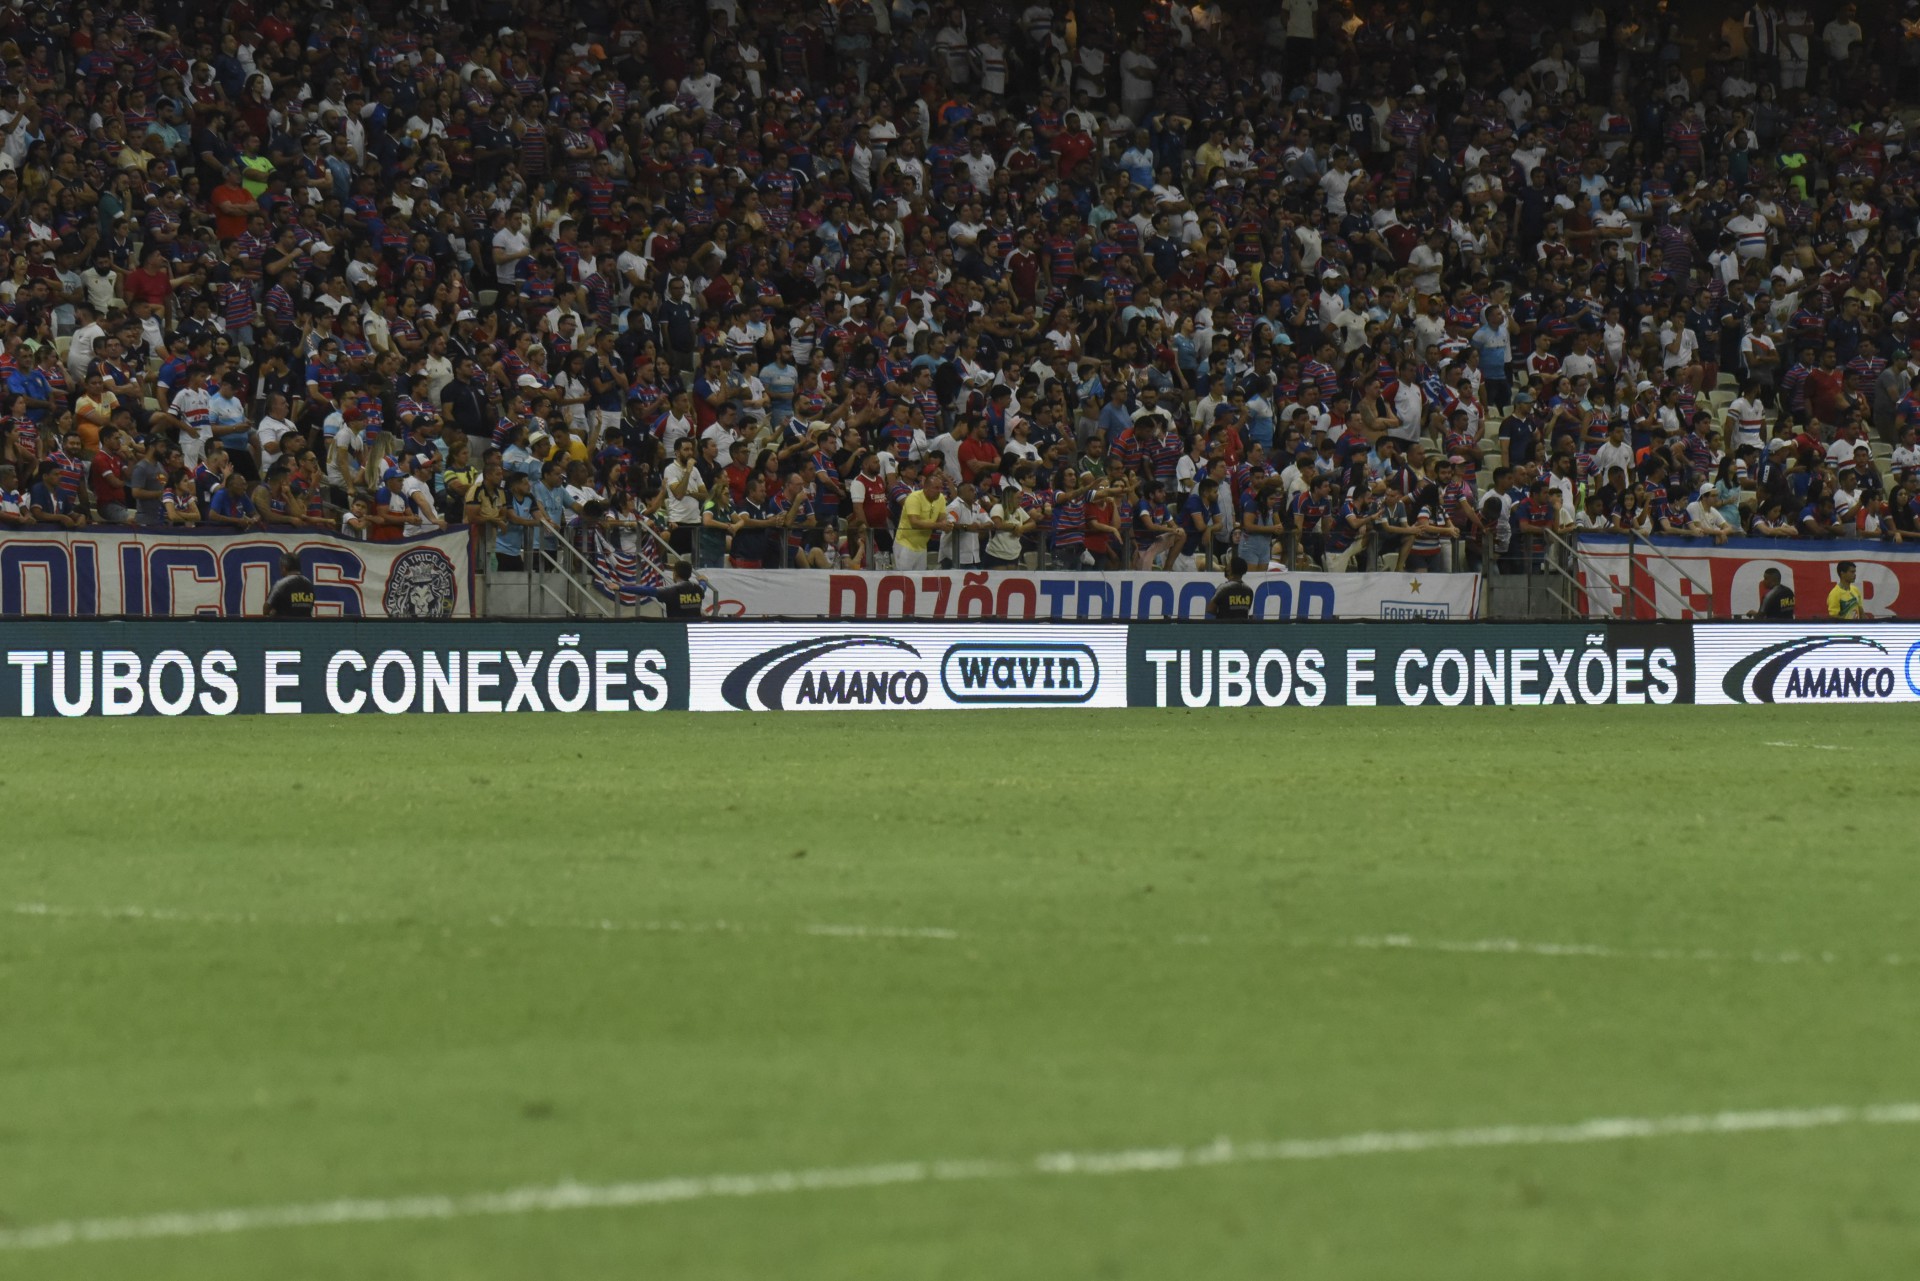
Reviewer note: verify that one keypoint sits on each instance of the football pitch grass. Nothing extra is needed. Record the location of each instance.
(1322, 994)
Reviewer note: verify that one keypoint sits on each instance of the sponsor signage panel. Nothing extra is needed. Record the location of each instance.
(135, 573)
(293, 669)
(1249, 665)
(1118, 597)
(771, 667)
(1874, 663)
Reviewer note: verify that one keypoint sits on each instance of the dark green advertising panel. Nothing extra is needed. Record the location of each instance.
(214, 668)
(1416, 665)
(220, 668)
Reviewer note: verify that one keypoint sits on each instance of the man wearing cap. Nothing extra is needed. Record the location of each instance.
(1843, 602)
(392, 507)
(417, 485)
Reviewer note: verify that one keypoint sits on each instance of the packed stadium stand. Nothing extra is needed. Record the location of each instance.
(839, 284)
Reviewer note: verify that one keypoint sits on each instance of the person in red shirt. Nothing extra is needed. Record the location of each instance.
(1072, 145)
(1824, 387)
(152, 281)
(979, 456)
(107, 476)
(233, 204)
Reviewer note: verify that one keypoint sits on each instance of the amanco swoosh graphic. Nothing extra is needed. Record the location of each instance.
(773, 669)
(1751, 680)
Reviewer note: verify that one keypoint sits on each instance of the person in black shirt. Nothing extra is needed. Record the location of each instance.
(1235, 599)
(292, 595)
(1776, 598)
(684, 596)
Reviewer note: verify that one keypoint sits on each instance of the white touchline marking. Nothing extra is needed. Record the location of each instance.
(1381, 942)
(1518, 947)
(570, 1195)
(1818, 747)
(171, 916)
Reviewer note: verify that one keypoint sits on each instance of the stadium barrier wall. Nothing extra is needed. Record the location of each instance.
(1684, 579)
(220, 668)
(105, 573)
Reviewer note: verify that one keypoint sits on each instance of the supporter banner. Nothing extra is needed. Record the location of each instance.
(306, 668)
(765, 667)
(91, 573)
(1021, 594)
(1695, 579)
(1766, 663)
(1247, 665)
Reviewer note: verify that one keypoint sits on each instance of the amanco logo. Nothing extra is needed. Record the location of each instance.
(1817, 669)
(864, 670)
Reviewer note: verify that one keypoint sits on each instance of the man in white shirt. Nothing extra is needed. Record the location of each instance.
(947, 445)
(702, 85)
(1706, 518)
(686, 490)
(1746, 420)
(274, 425)
(80, 354)
(1334, 183)
(194, 409)
(423, 516)
(970, 521)
(510, 246)
(1615, 452)
(1906, 454)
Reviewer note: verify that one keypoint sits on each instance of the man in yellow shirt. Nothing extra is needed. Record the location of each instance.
(1843, 602)
(923, 514)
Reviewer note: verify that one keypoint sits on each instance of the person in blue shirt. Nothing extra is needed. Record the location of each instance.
(1115, 418)
(1519, 434)
(1198, 515)
(550, 492)
(34, 385)
(231, 507)
(518, 458)
(780, 378)
(47, 504)
(522, 514)
(1495, 344)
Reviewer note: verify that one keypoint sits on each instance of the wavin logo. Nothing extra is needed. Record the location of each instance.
(1013, 673)
(760, 683)
(1756, 678)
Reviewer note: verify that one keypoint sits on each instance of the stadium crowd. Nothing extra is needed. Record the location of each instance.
(845, 283)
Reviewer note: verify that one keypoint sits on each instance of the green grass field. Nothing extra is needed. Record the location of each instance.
(272, 963)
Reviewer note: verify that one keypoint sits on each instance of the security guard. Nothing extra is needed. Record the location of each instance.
(292, 595)
(1776, 598)
(1843, 602)
(684, 596)
(1235, 599)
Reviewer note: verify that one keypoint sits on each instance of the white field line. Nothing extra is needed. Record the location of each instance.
(1818, 747)
(1369, 943)
(1221, 1152)
(1519, 947)
(171, 916)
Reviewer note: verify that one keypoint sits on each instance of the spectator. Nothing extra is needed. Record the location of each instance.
(922, 515)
